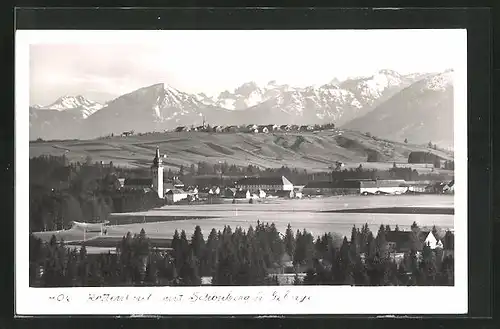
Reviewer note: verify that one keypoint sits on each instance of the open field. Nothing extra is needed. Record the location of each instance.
(314, 151)
(307, 213)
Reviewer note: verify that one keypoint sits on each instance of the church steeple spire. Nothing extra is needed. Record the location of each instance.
(157, 171)
(157, 159)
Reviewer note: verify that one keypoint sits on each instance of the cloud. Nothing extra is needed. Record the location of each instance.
(213, 61)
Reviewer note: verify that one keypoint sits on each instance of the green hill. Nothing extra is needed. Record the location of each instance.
(314, 151)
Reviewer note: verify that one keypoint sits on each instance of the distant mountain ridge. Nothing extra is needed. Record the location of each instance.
(160, 106)
(420, 113)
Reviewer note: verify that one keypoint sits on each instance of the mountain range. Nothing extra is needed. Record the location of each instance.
(418, 107)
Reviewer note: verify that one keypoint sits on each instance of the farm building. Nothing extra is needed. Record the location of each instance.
(394, 186)
(354, 186)
(263, 129)
(281, 194)
(403, 241)
(418, 186)
(331, 188)
(254, 184)
(175, 195)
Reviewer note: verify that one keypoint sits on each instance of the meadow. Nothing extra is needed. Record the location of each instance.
(306, 213)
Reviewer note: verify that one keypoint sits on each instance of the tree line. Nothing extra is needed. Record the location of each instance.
(243, 257)
(61, 192)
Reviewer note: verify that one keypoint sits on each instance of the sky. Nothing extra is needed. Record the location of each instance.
(102, 65)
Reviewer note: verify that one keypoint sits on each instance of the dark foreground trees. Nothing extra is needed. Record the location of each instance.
(239, 257)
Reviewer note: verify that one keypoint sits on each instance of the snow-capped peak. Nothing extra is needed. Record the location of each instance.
(67, 102)
(440, 81)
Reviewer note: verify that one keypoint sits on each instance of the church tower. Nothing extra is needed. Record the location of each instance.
(157, 171)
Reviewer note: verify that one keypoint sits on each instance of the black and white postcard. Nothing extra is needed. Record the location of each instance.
(241, 172)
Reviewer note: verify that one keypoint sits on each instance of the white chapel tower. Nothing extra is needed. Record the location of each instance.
(157, 171)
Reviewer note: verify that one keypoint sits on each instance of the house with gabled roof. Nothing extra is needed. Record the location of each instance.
(402, 241)
(175, 195)
(254, 184)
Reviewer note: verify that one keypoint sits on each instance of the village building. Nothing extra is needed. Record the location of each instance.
(281, 194)
(218, 129)
(355, 186)
(404, 241)
(175, 195)
(252, 128)
(158, 183)
(332, 188)
(418, 186)
(379, 186)
(215, 190)
(263, 129)
(254, 184)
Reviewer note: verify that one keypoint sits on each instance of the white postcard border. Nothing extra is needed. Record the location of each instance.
(261, 300)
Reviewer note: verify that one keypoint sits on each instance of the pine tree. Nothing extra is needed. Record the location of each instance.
(435, 231)
(275, 243)
(381, 242)
(151, 276)
(198, 243)
(83, 266)
(227, 264)
(188, 272)
(414, 226)
(289, 241)
(177, 249)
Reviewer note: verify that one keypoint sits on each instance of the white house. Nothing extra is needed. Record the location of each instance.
(252, 128)
(175, 195)
(432, 241)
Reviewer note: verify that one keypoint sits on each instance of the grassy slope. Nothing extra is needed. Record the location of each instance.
(314, 151)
